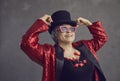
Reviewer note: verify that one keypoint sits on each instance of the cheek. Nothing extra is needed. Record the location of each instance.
(60, 36)
(74, 35)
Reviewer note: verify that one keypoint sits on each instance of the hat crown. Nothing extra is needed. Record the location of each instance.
(61, 15)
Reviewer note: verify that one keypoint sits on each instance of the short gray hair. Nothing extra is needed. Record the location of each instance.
(54, 36)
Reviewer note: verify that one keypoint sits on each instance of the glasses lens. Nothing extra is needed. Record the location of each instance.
(72, 29)
(63, 29)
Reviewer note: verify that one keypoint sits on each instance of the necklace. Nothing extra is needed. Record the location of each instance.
(75, 56)
(77, 62)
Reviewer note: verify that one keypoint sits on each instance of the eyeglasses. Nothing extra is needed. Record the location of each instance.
(66, 29)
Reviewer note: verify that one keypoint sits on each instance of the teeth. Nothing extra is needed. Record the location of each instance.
(68, 35)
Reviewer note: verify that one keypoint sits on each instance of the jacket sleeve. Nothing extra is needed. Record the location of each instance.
(30, 45)
(99, 37)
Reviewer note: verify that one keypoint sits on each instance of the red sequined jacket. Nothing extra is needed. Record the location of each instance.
(45, 54)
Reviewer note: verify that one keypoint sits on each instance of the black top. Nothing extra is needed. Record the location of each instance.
(81, 73)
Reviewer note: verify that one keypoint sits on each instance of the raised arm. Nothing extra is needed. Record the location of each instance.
(98, 33)
(29, 43)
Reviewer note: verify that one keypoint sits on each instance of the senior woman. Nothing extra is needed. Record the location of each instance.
(66, 60)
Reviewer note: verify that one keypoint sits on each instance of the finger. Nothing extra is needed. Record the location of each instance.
(51, 19)
(79, 22)
(48, 19)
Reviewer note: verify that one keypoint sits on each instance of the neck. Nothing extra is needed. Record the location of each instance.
(66, 46)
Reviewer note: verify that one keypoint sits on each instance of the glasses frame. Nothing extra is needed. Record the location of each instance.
(60, 29)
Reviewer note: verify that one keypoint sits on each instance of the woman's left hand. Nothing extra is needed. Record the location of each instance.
(83, 21)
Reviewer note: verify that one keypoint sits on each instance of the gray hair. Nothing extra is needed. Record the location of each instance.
(54, 36)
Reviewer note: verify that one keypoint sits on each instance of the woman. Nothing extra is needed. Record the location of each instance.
(66, 60)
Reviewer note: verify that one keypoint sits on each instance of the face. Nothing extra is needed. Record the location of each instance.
(66, 33)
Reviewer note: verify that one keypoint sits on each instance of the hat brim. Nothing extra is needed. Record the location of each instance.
(55, 24)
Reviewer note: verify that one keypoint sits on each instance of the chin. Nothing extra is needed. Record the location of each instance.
(69, 41)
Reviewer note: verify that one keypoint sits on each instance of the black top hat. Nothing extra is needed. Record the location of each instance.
(61, 17)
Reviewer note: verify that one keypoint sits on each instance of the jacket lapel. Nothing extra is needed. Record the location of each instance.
(59, 61)
(90, 56)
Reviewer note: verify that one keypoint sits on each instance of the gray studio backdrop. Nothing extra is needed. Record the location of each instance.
(16, 16)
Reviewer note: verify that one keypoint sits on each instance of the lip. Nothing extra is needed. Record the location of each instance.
(68, 35)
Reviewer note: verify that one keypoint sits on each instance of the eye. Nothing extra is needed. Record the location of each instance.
(63, 29)
(72, 29)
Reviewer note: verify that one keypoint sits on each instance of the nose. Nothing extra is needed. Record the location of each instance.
(68, 30)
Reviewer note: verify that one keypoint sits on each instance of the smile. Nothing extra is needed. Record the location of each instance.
(69, 35)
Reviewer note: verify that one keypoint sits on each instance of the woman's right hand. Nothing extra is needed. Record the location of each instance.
(47, 19)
